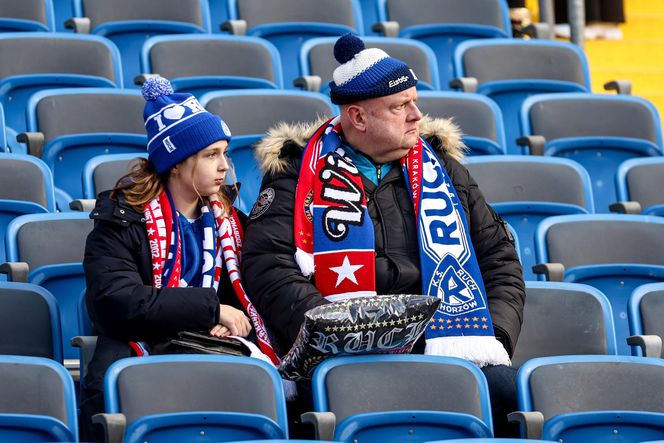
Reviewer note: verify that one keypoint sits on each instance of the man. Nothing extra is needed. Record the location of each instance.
(378, 203)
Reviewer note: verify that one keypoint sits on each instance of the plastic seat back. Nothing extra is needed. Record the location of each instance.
(564, 319)
(508, 71)
(101, 173)
(353, 388)
(317, 58)
(525, 190)
(640, 180)
(646, 311)
(202, 63)
(26, 15)
(143, 389)
(38, 402)
(593, 398)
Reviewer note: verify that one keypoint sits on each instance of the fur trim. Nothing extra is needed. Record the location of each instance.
(273, 156)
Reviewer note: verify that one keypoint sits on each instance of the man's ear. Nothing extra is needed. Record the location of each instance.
(357, 117)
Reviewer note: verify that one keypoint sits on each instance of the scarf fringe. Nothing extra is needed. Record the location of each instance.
(478, 349)
(305, 261)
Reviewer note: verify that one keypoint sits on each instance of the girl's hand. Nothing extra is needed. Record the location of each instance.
(231, 322)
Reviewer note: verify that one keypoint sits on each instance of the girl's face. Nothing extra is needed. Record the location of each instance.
(204, 172)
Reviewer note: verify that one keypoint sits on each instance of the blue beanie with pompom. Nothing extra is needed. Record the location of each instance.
(366, 73)
(177, 125)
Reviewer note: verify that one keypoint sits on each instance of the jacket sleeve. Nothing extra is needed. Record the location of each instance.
(123, 306)
(498, 260)
(273, 279)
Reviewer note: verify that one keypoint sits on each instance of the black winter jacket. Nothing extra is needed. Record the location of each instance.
(282, 294)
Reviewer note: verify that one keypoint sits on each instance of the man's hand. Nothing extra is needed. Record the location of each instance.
(231, 322)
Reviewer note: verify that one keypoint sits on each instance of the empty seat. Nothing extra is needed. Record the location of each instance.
(564, 319)
(508, 71)
(444, 24)
(646, 311)
(641, 180)
(594, 398)
(201, 63)
(128, 23)
(599, 131)
(287, 24)
(26, 15)
(101, 173)
(29, 322)
(78, 124)
(526, 190)
(53, 246)
(37, 401)
(613, 253)
(317, 58)
(267, 108)
(414, 407)
(41, 61)
(478, 117)
(185, 397)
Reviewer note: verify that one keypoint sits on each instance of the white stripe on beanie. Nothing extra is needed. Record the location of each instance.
(361, 62)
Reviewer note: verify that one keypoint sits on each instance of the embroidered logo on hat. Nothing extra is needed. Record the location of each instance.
(398, 81)
(170, 147)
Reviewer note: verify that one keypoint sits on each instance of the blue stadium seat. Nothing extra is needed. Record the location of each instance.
(317, 58)
(53, 246)
(393, 398)
(564, 319)
(525, 190)
(370, 16)
(593, 398)
(55, 61)
(202, 63)
(508, 71)
(599, 131)
(102, 172)
(26, 15)
(3, 132)
(38, 403)
(641, 180)
(444, 24)
(645, 310)
(63, 10)
(267, 108)
(78, 124)
(29, 322)
(128, 23)
(478, 117)
(287, 24)
(219, 13)
(225, 398)
(613, 253)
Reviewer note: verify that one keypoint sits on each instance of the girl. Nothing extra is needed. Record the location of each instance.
(153, 262)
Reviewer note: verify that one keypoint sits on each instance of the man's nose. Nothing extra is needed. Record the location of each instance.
(415, 114)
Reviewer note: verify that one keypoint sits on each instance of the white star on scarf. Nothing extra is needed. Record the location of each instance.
(150, 231)
(345, 271)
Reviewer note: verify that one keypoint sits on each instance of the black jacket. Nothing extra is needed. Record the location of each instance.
(282, 294)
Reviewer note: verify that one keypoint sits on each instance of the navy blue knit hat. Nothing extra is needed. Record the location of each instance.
(366, 73)
(177, 125)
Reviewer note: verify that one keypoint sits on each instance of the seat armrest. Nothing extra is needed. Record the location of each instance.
(324, 423)
(651, 345)
(540, 31)
(308, 83)
(34, 140)
(551, 271)
(464, 84)
(142, 78)
(626, 207)
(235, 27)
(114, 426)
(531, 423)
(623, 87)
(83, 204)
(87, 345)
(16, 271)
(387, 28)
(534, 143)
(80, 25)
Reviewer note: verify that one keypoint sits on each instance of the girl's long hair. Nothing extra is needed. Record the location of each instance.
(142, 184)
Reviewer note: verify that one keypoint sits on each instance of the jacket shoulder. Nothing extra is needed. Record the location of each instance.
(115, 210)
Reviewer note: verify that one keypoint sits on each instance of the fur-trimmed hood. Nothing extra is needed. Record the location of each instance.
(274, 151)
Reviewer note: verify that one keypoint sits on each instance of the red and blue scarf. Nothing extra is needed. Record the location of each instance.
(334, 241)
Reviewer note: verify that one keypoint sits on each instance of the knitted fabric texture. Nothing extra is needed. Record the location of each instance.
(177, 125)
(366, 73)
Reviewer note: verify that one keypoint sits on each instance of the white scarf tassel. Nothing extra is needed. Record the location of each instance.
(479, 349)
(305, 261)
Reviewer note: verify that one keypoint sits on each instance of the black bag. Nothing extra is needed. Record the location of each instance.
(200, 343)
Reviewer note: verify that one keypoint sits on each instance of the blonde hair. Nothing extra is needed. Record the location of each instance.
(142, 184)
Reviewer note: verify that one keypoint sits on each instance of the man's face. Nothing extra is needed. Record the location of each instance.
(391, 125)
